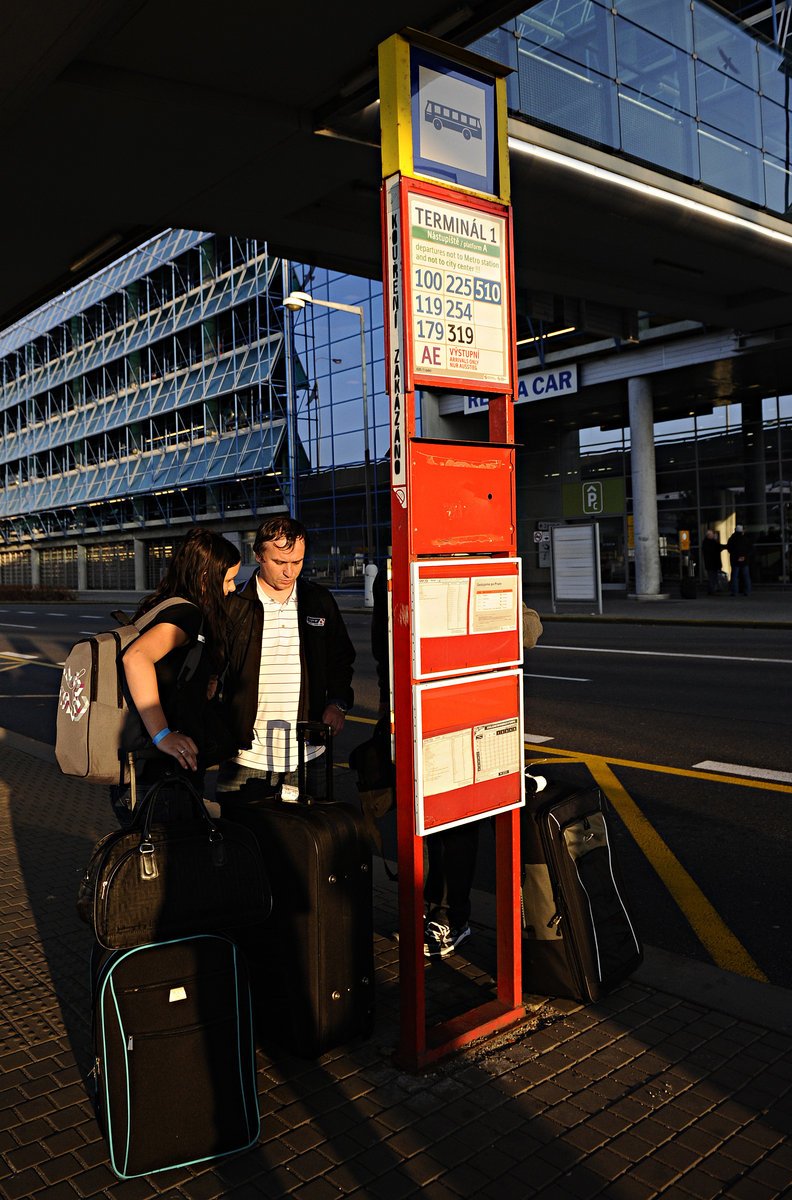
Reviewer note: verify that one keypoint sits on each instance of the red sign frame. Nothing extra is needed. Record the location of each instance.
(461, 706)
(444, 654)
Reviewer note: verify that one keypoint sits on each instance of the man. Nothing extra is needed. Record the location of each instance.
(290, 659)
(711, 551)
(739, 548)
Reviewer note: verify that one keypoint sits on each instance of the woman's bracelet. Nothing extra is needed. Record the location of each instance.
(163, 733)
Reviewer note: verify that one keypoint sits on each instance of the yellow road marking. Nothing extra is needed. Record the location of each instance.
(715, 936)
(363, 720)
(658, 769)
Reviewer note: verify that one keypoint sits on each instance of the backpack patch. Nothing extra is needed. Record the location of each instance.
(73, 694)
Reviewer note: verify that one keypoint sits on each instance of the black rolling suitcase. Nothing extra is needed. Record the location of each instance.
(174, 1071)
(312, 963)
(579, 936)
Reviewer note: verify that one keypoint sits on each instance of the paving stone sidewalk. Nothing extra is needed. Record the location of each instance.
(645, 1094)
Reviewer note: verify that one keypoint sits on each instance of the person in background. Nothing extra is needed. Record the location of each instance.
(450, 855)
(739, 548)
(174, 703)
(711, 552)
(290, 659)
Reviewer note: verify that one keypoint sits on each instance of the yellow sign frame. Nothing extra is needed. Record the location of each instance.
(396, 109)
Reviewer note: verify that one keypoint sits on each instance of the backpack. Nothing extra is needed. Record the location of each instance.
(96, 729)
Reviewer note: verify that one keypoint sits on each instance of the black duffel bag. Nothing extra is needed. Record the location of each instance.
(150, 882)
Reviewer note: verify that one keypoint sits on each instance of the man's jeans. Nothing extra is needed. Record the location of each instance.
(741, 579)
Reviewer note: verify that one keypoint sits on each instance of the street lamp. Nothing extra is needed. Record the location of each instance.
(298, 300)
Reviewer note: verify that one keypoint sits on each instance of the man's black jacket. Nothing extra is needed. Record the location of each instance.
(326, 656)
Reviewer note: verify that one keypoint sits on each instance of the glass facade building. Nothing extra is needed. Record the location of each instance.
(676, 84)
(168, 390)
(174, 387)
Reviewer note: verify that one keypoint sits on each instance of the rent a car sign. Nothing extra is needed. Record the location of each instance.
(539, 385)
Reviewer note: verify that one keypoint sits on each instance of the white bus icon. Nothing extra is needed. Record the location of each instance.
(440, 115)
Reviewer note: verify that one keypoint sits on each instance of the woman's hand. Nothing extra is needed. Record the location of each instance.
(182, 748)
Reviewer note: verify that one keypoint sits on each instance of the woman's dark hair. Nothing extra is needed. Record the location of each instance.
(196, 572)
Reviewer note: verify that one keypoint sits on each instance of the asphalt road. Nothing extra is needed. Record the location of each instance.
(705, 849)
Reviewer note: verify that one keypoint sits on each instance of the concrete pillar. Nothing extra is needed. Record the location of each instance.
(35, 568)
(141, 565)
(755, 514)
(82, 568)
(648, 576)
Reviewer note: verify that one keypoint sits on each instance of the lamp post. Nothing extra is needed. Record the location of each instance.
(298, 300)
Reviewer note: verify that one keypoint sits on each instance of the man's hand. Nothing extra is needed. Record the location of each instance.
(334, 717)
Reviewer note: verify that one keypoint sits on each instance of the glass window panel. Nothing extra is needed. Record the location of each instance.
(669, 18)
(577, 30)
(774, 71)
(776, 130)
(730, 166)
(778, 185)
(652, 67)
(723, 418)
(727, 105)
(564, 95)
(375, 317)
(343, 324)
(347, 385)
(351, 290)
(658, 134)
(723, 44)
(347, 417)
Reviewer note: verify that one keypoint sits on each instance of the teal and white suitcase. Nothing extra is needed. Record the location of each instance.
(175, 1068)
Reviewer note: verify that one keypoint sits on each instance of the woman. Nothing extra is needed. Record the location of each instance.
(174, 707)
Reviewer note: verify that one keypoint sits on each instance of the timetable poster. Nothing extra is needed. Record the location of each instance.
(459, 288)
(469, 754)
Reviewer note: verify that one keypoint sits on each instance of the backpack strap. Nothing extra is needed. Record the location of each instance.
(193, 658)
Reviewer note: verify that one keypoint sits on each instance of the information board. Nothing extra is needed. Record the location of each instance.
(467, 615)
(458, 293)
(469, 749)
(575, 564)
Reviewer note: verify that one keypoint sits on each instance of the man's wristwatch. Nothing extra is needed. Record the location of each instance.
(344, 708)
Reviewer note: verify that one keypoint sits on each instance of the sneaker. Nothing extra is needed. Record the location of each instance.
(441, 940)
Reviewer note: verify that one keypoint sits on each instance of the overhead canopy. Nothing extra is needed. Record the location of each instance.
(125, 117)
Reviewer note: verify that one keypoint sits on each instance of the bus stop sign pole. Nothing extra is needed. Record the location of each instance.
(449, 327)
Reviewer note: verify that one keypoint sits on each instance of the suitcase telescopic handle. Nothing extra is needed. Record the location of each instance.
(315, 733)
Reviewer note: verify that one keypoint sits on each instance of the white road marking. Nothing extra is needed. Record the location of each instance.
(563, 678)
(88, 617)
(13, 654)
(26, 612)
(536, 738)
(748, 772)
(56, 615)
(15, 625)
(787, 662)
